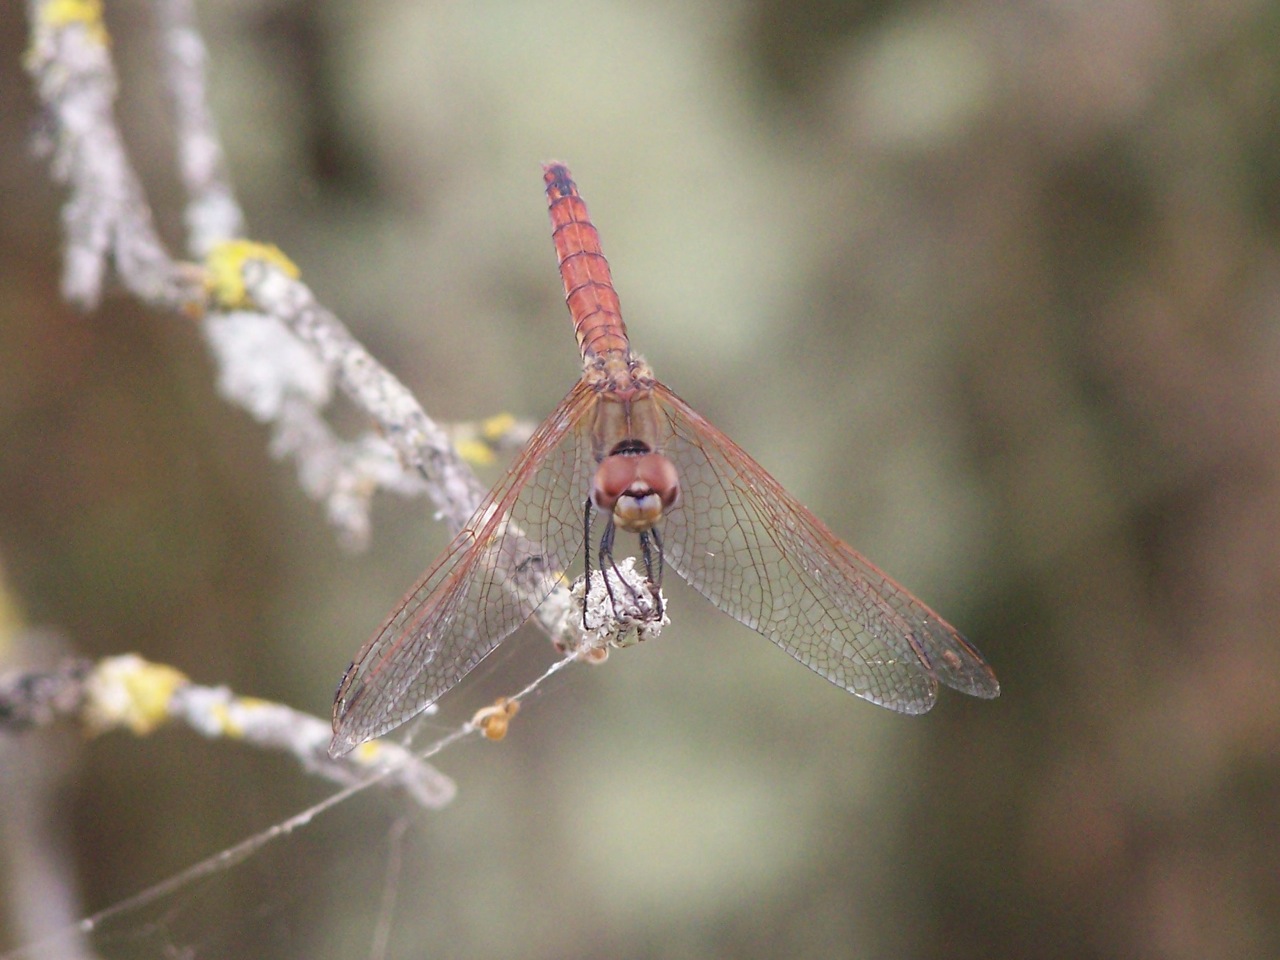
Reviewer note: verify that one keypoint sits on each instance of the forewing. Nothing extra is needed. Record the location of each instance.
(503, 563)
(760, 556)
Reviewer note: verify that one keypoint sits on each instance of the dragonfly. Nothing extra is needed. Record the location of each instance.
(622, 452)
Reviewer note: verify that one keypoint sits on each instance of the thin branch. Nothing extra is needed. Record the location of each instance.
(106, 217)
(130, 693)
(403, 423)
(261, 367)
(213, 216)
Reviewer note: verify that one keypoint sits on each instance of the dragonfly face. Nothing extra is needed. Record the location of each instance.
(635, 486)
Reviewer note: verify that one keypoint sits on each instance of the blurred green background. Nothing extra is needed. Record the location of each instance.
(993, 287)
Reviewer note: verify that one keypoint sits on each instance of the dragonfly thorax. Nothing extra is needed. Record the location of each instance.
(635, 486)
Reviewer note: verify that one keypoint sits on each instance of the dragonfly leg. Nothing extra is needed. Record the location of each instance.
(651, 543)
(635, 592)
(604, 559)
(586, 555)
(605, 556)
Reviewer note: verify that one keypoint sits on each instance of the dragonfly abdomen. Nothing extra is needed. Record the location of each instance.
(588, 284)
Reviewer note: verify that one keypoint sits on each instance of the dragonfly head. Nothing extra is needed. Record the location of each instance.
(635, 486)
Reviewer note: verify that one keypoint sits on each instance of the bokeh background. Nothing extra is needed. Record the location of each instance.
(994, 287)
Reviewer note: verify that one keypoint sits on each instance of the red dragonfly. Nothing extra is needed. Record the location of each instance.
(623, 450)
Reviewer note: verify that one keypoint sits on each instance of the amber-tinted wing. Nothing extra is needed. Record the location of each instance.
(493, 575)
(760, 556)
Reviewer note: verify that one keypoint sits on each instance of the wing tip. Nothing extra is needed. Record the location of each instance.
(342, 744)
(987, 689)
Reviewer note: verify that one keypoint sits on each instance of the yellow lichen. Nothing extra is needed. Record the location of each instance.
(474, 451)
(128, 691)
(56, 14)
(369, 753)
(225, 265)
(497, 427)
(225, 718)
(476, 445)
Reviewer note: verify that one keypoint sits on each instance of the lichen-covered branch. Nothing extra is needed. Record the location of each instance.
(106, 218)
(212, 215)
(130, 693)
(233, 291)
(414, 436)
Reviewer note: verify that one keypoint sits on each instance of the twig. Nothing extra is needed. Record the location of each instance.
(128, 692)
(212, 216)
(106, 217)
(262, 367)
(418, 440)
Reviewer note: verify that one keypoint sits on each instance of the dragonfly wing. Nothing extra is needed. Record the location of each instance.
(498, 569)
(755, 552)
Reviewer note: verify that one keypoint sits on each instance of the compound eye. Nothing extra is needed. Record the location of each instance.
(613, 477)
(659, 474)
